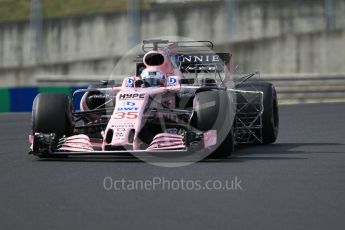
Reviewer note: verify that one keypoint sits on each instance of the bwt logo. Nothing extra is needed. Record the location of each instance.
(135, 96)
(172, 81)
(128, 103)
(130, 82)
(128, 109)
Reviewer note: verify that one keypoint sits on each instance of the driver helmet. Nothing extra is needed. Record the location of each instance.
(153, 78)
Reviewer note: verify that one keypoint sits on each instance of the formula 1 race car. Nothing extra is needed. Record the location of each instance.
(182, 100)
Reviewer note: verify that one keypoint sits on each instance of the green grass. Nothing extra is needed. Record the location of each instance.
(12, 10)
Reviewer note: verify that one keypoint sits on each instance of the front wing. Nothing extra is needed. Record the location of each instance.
(47, 145)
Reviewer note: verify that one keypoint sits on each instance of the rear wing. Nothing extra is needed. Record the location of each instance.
(194, 62)
(215, 62)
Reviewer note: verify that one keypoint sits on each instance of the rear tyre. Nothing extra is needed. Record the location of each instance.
(212, 112)
(270, 116)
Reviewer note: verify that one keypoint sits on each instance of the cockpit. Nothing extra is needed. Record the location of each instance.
(152, 78)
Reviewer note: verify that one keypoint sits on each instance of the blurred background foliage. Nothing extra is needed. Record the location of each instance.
(12, 10)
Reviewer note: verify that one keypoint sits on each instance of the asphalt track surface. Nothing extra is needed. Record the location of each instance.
(297, 183)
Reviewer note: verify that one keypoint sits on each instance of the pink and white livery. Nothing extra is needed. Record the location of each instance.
(182, 99)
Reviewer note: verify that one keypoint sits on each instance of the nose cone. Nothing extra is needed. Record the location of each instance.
(125, 120)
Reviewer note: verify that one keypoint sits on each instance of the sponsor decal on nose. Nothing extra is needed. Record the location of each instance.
(129, 103)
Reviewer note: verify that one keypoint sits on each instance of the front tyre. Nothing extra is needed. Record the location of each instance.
(213, 112)
(52, 113)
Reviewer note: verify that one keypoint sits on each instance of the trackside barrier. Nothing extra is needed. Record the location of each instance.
(291, 89)
(308, 88)
(19, 99)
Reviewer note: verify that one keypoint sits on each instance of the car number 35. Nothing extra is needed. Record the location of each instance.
(126, 115)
